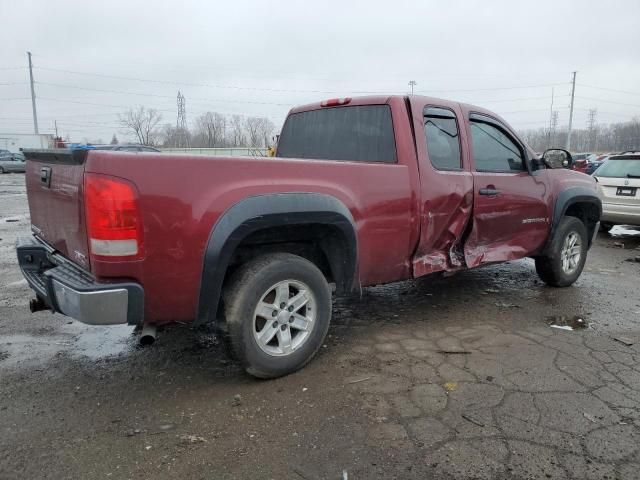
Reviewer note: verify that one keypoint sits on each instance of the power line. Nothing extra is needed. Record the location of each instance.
(610, 89)
(502, 100)
(495, 88)
(129, 106)
(206, 85)
(141, 94)
(610, 101)
(281, 90)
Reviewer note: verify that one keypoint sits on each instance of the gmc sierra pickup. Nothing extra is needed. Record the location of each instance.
(362, 191)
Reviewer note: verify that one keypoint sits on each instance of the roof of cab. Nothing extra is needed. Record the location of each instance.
(383, 99)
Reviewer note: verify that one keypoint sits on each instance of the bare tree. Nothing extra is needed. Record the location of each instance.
(267, 128)
(212, 126)
(237, 131)
(143, 123)
(114, 140)
(252, 125)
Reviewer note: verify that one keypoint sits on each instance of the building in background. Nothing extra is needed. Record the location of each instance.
(14, 142)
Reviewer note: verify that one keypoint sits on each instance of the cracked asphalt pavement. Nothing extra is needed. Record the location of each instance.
(438, 378)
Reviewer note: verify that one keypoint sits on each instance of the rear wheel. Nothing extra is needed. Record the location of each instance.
(278, 309)
(566, 255)
(605, 226)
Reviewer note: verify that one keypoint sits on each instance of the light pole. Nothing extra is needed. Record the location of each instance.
(412, 84)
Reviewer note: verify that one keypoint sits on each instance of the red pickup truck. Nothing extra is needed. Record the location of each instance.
(362, 191)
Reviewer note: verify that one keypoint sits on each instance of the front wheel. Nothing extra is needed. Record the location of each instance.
(563, 263)
(278, 309)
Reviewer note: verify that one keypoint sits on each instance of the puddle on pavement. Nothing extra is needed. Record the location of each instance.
(97, 342)
(75, 339)
(567, 322)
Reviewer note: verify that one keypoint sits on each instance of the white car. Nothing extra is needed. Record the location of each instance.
(619, 184)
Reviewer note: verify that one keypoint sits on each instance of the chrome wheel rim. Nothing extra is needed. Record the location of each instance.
(571, 253)
(284, 318)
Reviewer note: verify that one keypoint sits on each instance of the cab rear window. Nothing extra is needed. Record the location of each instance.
(356, 133)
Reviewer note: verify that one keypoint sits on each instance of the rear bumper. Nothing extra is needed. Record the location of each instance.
(69, 290)
(620, 213)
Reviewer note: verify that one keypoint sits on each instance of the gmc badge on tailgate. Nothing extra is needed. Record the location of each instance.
(45, 176)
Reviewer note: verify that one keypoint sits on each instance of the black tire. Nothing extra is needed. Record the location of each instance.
(605, 226)
(246, 289)
(550, 267)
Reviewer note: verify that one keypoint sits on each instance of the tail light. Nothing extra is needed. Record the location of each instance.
(334, 102)
(114, 225)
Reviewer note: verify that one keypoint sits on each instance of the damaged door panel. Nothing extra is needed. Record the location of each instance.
(446, 186)
(511, 216)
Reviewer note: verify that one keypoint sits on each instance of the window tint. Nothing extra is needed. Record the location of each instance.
(358, 133)
(494, 151)
(441, 132)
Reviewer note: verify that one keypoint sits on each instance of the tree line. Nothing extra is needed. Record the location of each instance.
(210, 130)
(615, 137)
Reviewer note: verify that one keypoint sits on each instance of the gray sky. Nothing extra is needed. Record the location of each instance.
(261, 58)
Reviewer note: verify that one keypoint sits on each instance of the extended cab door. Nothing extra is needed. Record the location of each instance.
(446, 184)
(511, 214)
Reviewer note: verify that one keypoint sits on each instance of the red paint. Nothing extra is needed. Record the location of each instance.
(411, 219)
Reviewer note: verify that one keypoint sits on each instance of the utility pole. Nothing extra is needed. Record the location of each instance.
(591, 126)
(550, 120)
(55, 123)
(573, 92)
(412, 84)
(33, 96)
(554, 126)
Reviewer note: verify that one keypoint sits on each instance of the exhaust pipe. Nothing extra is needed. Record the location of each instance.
(148, 335)
(37, 305)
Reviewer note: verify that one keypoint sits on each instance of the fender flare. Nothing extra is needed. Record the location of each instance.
(569, 197)
(262, 211)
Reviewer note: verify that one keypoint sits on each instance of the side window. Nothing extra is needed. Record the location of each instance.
(493, 151)
(443, 138)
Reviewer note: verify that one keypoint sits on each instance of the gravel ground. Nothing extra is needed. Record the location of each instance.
(459, 377)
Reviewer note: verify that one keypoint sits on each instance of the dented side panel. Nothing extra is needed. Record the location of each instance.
(516, 221)
(447, 199)
(511, 225)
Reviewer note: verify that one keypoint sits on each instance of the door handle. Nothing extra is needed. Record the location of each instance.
(490, 191)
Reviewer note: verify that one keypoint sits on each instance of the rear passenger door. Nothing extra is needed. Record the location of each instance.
(511, 218)
(446, 185)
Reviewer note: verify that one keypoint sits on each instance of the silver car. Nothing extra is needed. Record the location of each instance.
(619, 184)
(12, 162)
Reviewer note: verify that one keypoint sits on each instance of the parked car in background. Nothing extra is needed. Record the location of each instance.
(593, 165)
(619, 185)
(12, 162)
(362, 191)
(580, 162)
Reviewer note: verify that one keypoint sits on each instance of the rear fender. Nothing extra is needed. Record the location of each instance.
(264, 211)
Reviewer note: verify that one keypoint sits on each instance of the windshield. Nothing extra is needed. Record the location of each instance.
(620, 168)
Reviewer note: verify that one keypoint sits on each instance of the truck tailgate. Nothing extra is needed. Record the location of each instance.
(54, 181)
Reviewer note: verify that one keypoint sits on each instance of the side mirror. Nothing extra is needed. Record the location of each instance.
(557, 158)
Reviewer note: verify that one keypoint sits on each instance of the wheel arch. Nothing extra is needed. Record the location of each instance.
(256, 214)
(579, 202)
